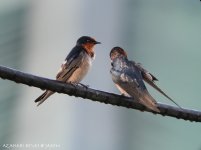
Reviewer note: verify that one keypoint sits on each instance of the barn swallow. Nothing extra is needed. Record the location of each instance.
(128, 77)
(75, 66)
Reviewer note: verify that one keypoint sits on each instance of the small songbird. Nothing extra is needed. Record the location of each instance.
(75, 66)
(128, 77)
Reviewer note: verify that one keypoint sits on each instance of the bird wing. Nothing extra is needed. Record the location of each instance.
(146, 74)
(130, 80)
(136, 89)
(149, 78)
(70, 65)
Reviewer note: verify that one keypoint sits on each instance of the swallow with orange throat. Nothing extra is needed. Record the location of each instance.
(76, 65)
(128, 77)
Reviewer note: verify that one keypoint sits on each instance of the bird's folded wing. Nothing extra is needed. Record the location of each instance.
(131, 84)
(68, 67)
(137, 90)
(146, 74)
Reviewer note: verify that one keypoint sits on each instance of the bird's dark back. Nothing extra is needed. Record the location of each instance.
(74, 53)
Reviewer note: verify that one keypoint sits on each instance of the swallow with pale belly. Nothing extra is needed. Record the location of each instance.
(128, 77)
(75, 66)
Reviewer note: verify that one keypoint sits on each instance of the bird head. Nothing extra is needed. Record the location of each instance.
(117, 52)
(87, 40)
(88, 43)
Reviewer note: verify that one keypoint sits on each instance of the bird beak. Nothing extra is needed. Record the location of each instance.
(97, 42)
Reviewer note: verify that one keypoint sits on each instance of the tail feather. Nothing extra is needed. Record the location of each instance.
(40, 97)
(148, 101)
(43, 97)
(163, 93)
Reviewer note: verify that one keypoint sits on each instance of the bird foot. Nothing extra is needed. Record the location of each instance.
(83, 85)
(79, 84)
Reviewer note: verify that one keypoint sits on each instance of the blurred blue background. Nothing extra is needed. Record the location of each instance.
(36, 36)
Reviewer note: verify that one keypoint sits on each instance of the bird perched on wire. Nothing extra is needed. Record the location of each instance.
(75, 66)
(128, 77)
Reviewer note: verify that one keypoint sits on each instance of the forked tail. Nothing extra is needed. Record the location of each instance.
(43, 97)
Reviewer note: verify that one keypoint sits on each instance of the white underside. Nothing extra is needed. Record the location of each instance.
(122, 91)
(81, 72)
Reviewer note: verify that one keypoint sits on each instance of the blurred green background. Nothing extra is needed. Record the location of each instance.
(163, 35)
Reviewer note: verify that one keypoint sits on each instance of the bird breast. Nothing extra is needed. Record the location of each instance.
(81, 72)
